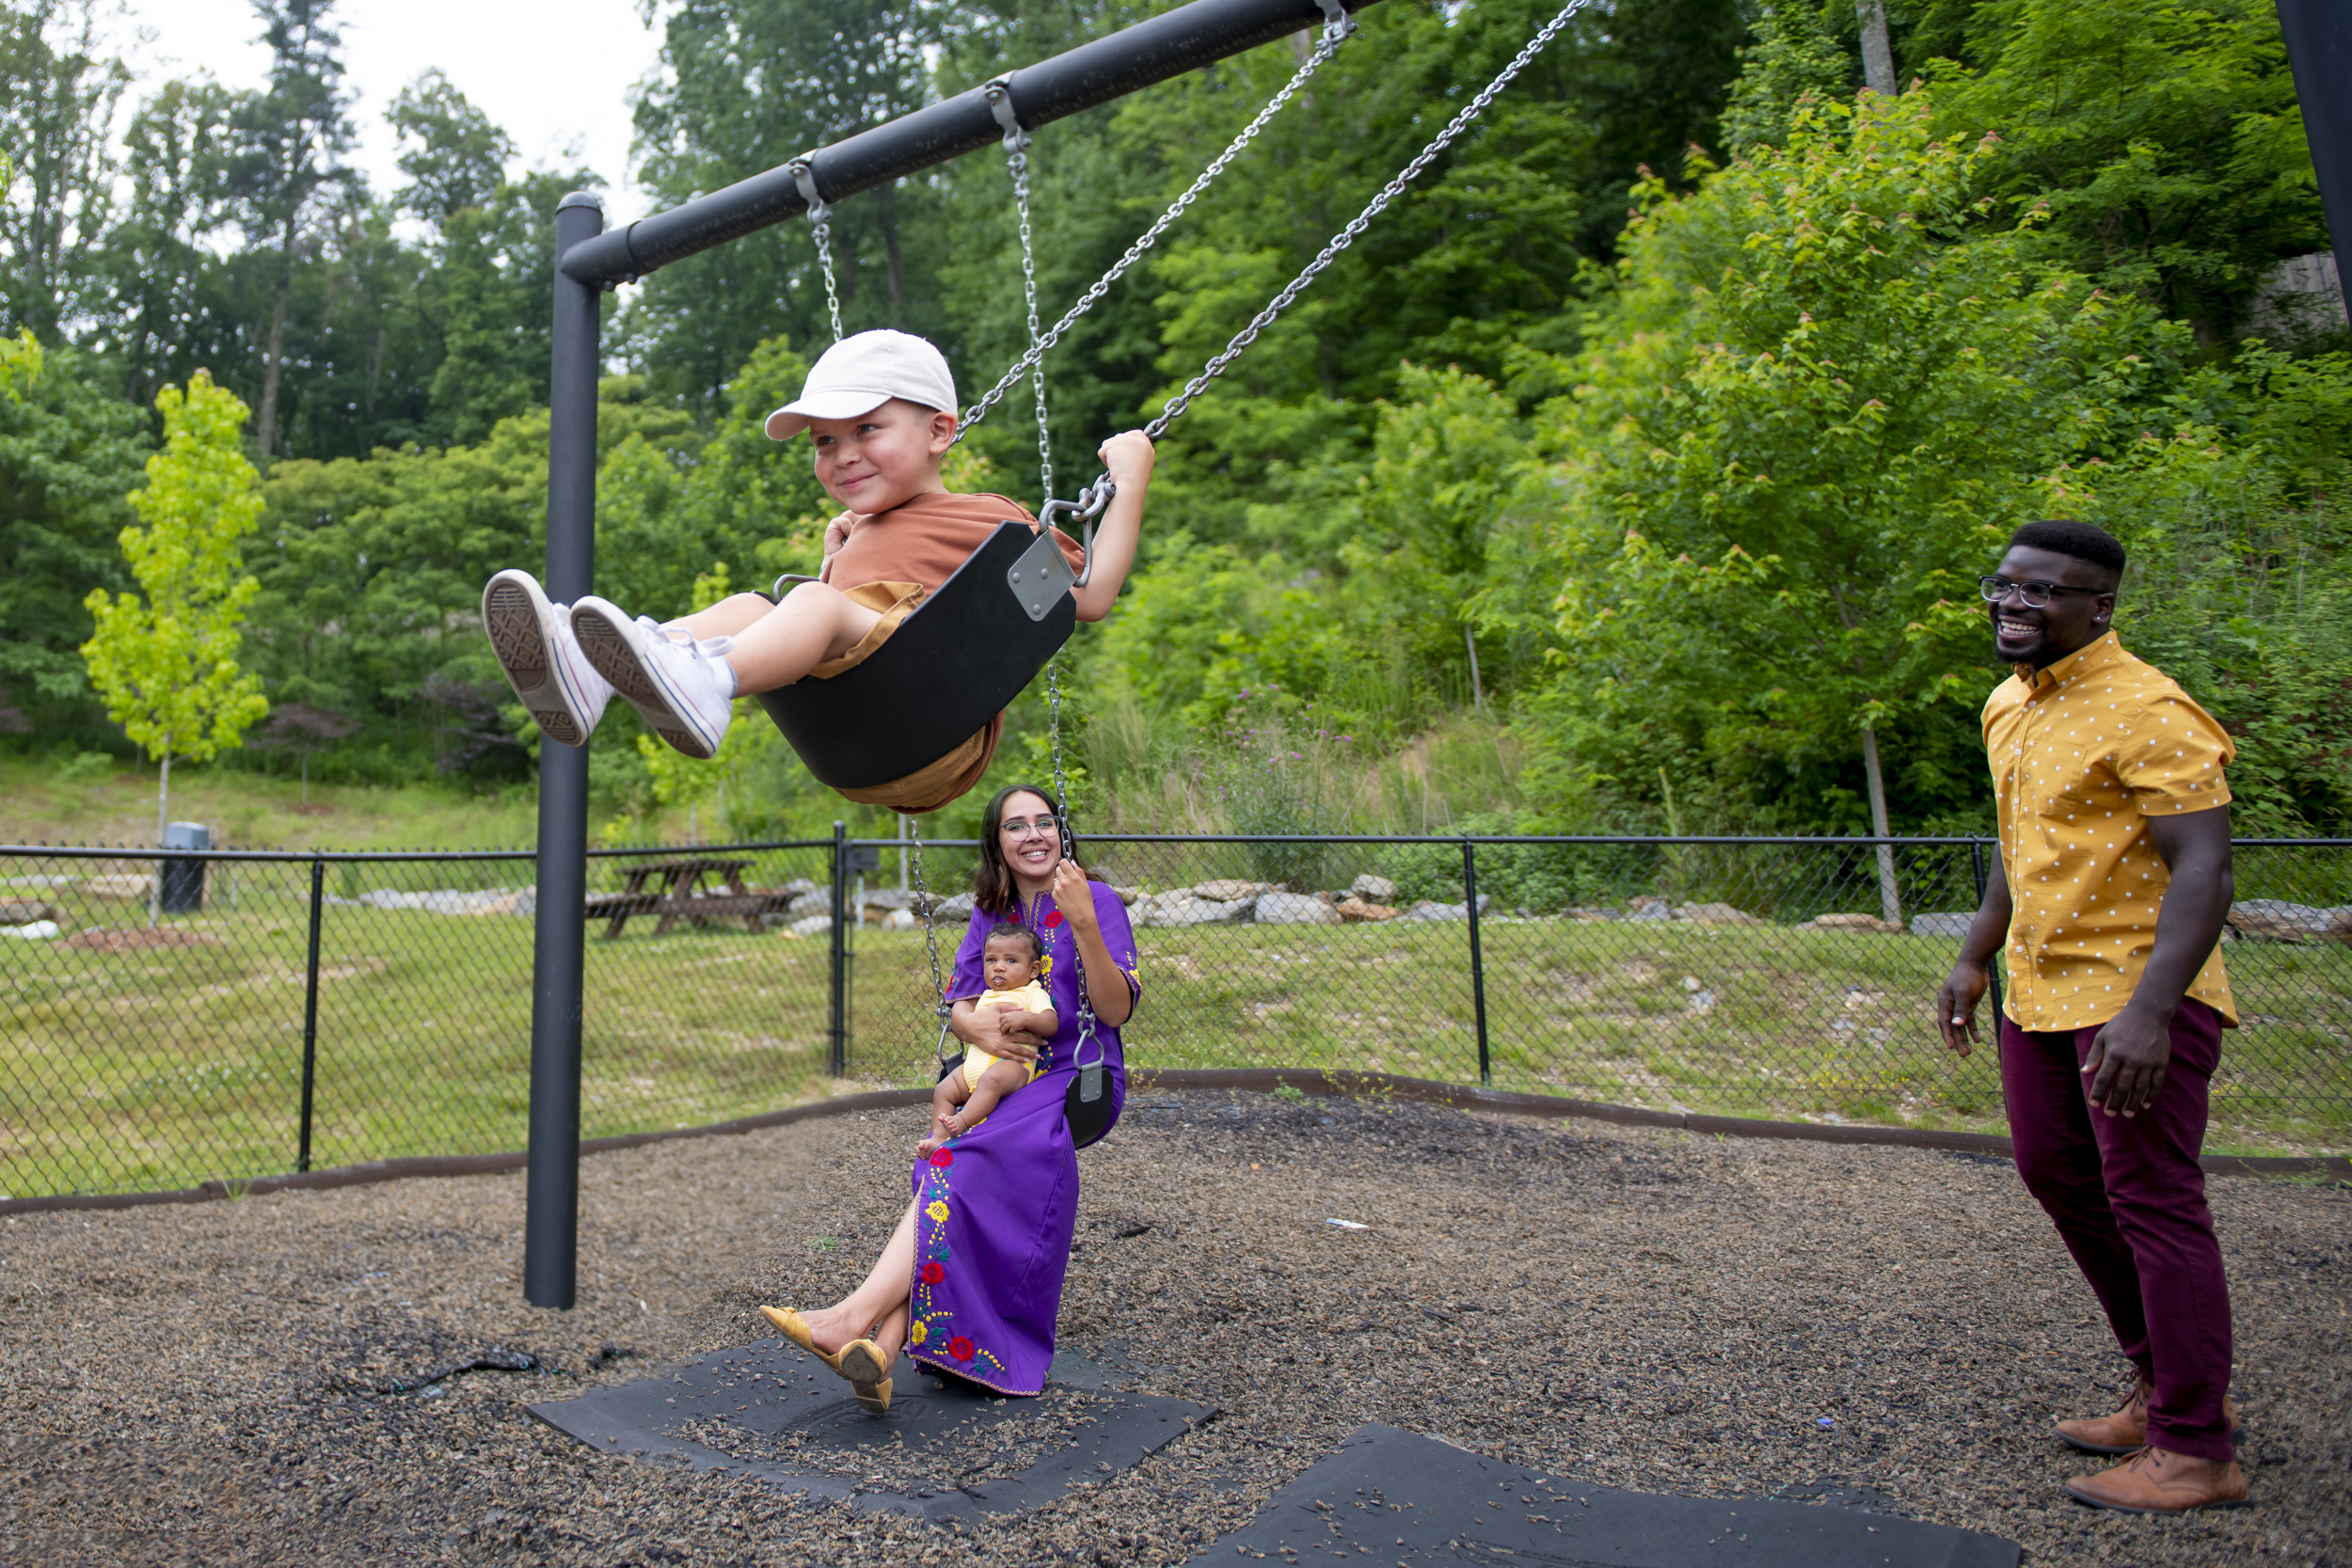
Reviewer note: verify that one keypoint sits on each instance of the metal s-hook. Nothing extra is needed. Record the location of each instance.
(820, 224)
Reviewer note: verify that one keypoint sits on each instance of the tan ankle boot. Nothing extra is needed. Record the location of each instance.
(2157, 1481)
(2126, 1430)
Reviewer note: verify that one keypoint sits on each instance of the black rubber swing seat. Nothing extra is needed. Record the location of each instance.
(954, 664)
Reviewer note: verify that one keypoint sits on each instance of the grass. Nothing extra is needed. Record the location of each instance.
(166, 1066)
(101, 799)
(1769, 1022)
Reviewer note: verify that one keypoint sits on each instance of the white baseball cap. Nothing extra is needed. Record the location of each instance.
(862, 371)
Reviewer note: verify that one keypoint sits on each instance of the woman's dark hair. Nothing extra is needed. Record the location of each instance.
(1015, 929)
(992, 887)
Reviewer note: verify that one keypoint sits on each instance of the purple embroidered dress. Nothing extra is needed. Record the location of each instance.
(995, 1208)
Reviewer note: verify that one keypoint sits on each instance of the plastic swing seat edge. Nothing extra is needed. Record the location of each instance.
(955, 662)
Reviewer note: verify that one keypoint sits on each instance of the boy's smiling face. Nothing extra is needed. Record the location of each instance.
(1010, 962)
(884, 458)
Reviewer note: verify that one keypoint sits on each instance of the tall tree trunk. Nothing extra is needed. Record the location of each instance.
(1878, 57)
(1890, 901)
(163, 810)
(274, 358)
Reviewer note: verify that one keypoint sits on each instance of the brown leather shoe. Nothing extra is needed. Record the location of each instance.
(2126, 1430)
(2157, 1481)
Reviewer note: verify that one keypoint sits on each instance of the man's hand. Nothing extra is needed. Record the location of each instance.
(2127, 1061)
(1956, 1004)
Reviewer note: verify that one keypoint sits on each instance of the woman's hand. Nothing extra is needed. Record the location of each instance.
(1073, 897)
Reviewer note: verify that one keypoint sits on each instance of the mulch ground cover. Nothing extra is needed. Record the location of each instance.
(341, 1376)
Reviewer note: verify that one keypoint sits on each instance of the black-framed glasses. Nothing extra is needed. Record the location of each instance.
(1019, 827)
(2036, 595)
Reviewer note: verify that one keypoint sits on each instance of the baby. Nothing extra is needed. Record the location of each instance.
(1011, 960)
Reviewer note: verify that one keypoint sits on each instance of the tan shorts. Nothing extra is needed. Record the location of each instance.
(930, 788)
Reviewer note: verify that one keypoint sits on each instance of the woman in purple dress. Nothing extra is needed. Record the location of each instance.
(970, 1282)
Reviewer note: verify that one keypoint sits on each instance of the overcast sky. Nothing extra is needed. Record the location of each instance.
(554, 73)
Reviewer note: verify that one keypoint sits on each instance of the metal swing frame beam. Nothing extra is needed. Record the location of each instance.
(590, 262)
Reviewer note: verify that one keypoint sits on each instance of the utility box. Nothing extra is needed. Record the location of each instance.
(183, 890)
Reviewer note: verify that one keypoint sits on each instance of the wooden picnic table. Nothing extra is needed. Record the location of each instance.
(681, 896)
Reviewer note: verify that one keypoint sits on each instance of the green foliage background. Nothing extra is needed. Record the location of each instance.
(1685, 397)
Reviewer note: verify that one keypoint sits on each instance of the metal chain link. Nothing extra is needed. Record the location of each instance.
(820, 224)
(1070, 852)
(1345, 237)
(1017, 161)
(1334, 34)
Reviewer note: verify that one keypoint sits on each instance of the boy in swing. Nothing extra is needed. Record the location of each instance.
(881, 410)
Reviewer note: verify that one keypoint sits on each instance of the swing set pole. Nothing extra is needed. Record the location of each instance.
(1095, 73)
(558, 931)
(590, 262)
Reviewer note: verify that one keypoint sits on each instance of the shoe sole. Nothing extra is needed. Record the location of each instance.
(2126, 1508)
(518, 641)
(615, 656)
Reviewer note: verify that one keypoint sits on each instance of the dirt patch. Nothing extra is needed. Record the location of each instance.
(116, 938)
(302, 1376)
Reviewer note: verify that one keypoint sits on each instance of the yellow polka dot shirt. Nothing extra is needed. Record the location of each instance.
(2083, 752)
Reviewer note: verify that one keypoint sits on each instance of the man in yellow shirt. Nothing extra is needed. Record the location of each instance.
(2109, 894)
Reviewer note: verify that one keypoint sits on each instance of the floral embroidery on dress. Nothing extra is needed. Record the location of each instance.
(929, 1319)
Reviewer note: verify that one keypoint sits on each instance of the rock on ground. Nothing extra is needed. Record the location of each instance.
(212, 1383)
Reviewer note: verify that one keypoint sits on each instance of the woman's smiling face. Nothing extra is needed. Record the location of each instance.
(1029, 839)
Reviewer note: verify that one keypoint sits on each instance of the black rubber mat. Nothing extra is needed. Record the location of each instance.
(1391, 1496)
(774, 1388)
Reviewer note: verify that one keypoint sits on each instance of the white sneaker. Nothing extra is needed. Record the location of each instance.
(533, 643)
(676, 686)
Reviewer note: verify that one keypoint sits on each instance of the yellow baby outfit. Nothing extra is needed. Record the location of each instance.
(1030, 998)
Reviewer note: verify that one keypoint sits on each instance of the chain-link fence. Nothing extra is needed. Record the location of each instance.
(263, 1012)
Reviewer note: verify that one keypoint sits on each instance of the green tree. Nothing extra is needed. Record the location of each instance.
(59, 89)
(453, 156)
(69, 448)
(289, 136)
(1817, 402)
(167, 667)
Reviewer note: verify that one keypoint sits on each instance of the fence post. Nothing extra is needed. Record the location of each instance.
(1993, 971)
(311, 1010)
(837, 1057)
(1478, 963)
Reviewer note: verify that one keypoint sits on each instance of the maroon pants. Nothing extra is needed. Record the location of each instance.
(2128, 1198)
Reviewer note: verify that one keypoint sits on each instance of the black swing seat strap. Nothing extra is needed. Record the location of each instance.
(953, 665)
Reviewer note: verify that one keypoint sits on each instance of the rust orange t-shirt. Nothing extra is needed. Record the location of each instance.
(927, 539)
(900, 557)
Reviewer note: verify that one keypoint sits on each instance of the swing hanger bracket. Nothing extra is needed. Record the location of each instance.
(999, 96)
(1337, 23)
(1090, 506)
(804, 175)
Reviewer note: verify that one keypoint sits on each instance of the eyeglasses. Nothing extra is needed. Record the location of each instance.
(1019, 828)
(2036, 595)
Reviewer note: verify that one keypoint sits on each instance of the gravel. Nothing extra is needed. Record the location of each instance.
(341, 1376)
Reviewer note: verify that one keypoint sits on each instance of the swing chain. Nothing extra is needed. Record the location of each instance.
(931, 940)
(1378, 204)
(1070, 852)
(1000, 94)
(1336, 31)
(820, 224)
